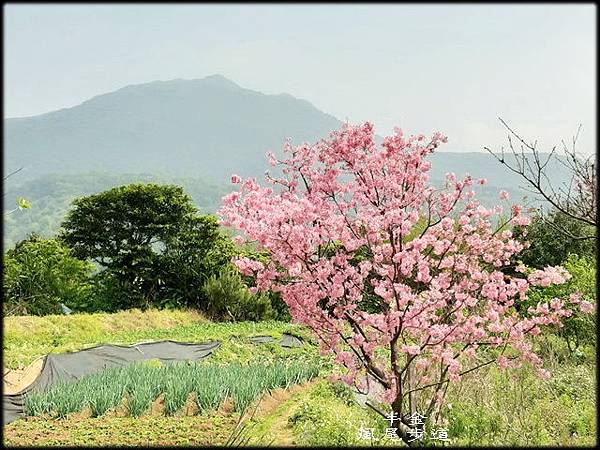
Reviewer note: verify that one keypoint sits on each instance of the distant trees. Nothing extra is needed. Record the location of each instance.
(53, 194)
(151, 241)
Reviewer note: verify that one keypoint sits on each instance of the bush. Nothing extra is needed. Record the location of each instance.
(579, 328)
(39, 274)
(229, 298)
(549, 246)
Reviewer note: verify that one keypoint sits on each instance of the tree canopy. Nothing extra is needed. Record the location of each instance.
(151, 239)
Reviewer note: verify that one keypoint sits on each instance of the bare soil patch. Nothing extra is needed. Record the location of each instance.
(16, 380)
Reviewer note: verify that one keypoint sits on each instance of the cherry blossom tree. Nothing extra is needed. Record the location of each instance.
(401, 281)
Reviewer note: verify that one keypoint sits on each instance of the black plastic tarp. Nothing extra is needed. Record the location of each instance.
(287, 340)
(72, 366)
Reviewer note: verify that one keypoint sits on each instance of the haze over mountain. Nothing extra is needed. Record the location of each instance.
(192, 132)
(209, 127)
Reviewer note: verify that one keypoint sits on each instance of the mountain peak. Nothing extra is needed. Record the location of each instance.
(218, 79)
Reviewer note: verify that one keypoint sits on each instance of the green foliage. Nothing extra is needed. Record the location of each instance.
(325, 419)
(229, 298)
(118, 227)
(39, 274)
(109, 295)
(578, 328)
(198, 251)
(143, 383)
(23, 203)
(507, 408)
(549, 246)
(154, 246)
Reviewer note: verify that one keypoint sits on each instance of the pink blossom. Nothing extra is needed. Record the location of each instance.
(411, 349)
(586, 307)
(331, 239)
(503, 362)
(543, 373)
(504, 195)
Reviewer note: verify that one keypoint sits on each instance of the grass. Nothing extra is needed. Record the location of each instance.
(142, 384)
(27, 338)
(329, 417)
(516, 408)
(489, 407)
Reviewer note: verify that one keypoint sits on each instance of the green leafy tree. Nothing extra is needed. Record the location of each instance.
(550, 245)
(39, 274)
(152, 241)
(198, 251)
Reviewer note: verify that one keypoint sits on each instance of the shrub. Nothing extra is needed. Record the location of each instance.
(578, 328)
(229, 298)
(39, 274)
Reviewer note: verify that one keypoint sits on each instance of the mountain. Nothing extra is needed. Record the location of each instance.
(195, 133)
(209, 128)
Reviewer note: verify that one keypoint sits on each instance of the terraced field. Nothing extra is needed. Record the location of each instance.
(285, 398)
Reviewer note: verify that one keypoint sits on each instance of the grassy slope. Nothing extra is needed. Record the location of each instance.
(28, 338)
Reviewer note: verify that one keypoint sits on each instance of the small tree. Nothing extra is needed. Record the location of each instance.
(341, 224)
(151, 239)
(39, 274)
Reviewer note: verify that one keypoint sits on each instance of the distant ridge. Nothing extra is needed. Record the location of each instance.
(207, 128)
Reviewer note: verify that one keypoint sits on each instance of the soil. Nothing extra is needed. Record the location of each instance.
(190, 408)
(158, 406)
(16, 380)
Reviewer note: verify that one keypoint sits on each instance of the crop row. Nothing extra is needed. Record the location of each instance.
(141, 384)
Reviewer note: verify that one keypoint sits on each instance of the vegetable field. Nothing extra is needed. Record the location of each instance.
(141, 384)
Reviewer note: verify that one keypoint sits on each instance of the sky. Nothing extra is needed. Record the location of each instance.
(424, 68)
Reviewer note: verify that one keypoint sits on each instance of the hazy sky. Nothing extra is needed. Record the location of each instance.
(424, 68)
